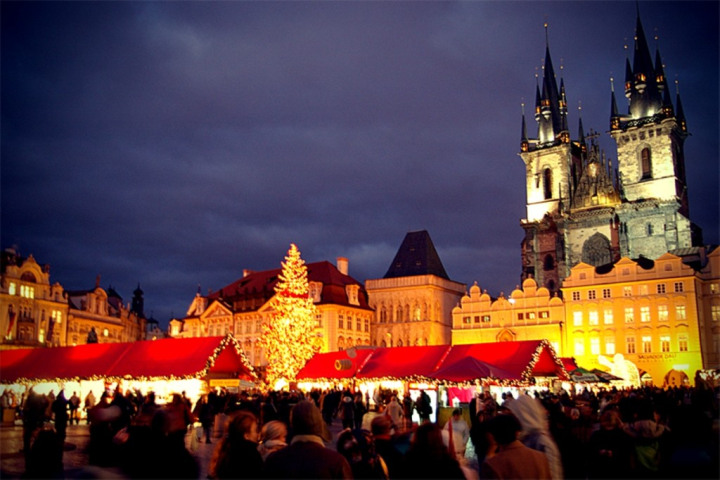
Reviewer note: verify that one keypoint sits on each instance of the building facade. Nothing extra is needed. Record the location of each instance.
(581, 207)
(342, 311)
(36, 313)
(413, 302)
(530, 313)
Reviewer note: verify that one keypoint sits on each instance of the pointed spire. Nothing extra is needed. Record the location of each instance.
(680, 112)
(524, 142)
(581, 131)
(614, 115)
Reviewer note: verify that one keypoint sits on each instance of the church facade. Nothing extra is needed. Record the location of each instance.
(583, 208)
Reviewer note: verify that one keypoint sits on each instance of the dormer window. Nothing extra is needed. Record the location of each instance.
(315, 291)
(352, 294)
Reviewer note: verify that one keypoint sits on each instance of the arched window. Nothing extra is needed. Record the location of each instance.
(547, 183)
(383, 315)
(399, 316)
(341, 343)
(400, 343)
(551, 285)
(383, 344)
(649, 229)
(645, 164)
(549, 263)
(597, 251)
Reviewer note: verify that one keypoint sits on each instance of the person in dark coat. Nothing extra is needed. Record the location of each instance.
(237, 455)
(205, 413)
(360, 410)
(428, 457)
(513, 460)
(381, 428)
(60, 411)
(347, 411)
(610, 449)
(307, 456)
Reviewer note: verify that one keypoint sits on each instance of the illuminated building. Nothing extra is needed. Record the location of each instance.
(342, 311)
(34, 313)
(413, 302)
(530, 313)
(656, 314)
(581, 208)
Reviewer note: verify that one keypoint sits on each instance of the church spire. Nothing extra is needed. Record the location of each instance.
(524, 142)
(614, 115)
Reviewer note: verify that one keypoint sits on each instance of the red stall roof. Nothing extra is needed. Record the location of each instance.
(149, 360)
(404, 362)
(334, 365)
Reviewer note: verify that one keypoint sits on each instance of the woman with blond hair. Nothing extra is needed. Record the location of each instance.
(273, 437)
(236, 455)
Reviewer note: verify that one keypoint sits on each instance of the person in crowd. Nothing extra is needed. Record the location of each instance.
(347, 412)
(428, 457)
(74, 409)
(408, 405)
(650, 439)
(360, 410)
(236, 455)
(150, 453)
(460, 433)
(381, 428)
(90, 402)
(394, 411)
(535, 433)
(513, 460)
(180, 418)
(60, 412)
(33, 419)
(480, 437)
(50, 397)
(273, 437)
(205, 414)
(358, 448)
(103, 418)
(45, 459)
(423, 405)
(307, 456)
(609, 450)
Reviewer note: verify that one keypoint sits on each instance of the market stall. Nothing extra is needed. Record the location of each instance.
(164, 366)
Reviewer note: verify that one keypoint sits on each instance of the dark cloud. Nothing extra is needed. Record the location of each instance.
(177, 143)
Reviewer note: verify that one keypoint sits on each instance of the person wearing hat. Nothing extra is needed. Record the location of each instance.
(307, 456)
(381, 427)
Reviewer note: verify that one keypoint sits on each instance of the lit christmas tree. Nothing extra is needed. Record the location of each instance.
(289, 336)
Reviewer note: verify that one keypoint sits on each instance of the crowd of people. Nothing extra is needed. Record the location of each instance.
(612, 433)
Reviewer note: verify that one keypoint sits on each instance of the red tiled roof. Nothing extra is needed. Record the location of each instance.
(325, 272)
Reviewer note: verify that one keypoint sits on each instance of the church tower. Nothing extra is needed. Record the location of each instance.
(650, 138)
(580, 208)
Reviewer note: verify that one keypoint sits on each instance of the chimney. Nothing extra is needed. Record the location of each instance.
(247, 272)
(342, 265)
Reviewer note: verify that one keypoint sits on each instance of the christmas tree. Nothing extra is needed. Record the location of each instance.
(289, 336)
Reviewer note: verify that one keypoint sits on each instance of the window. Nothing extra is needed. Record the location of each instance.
(683, 342)
(27, 292)
(679, 287)
(399, 316)
(608, 316)
(579, 347)
(258, 325)
(318, 320)
(714, 288)
(642, 290)
(660, 288)
(576, 296)
(665, 343)
(358, 324)
(668, 267)
(106, 332)
(41, 336)
(591, 295)
(595, 346)
(341, 321)
(520, 316)
(57, 316)
(609, 346)
(625, 271)
(662, 313)
(629, 315)
(547, 184)
(627, 291)
(630, 344)
(645, 164)
(248, 326)
(583, 276)
(476, 319)
(349, 323)
(367, 325)
(606, 293)
(593, 317)
(647, 344)
(486, 318)
(466, 320)
(12, 289)
(649, 229)
(548, 263)
(645, 314)
(544, 314)
(531, 316)
(680, 313)
(715, 312)
(577, 319)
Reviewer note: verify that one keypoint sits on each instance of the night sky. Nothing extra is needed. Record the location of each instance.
(173, 144)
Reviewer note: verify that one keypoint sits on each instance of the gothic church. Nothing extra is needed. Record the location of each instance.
(581, 208)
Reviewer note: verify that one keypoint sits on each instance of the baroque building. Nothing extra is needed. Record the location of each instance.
(342, 311)
(36, 313)
(581, 207)
(413, 302)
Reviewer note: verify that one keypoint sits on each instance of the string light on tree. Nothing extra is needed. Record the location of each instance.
(289, 336)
